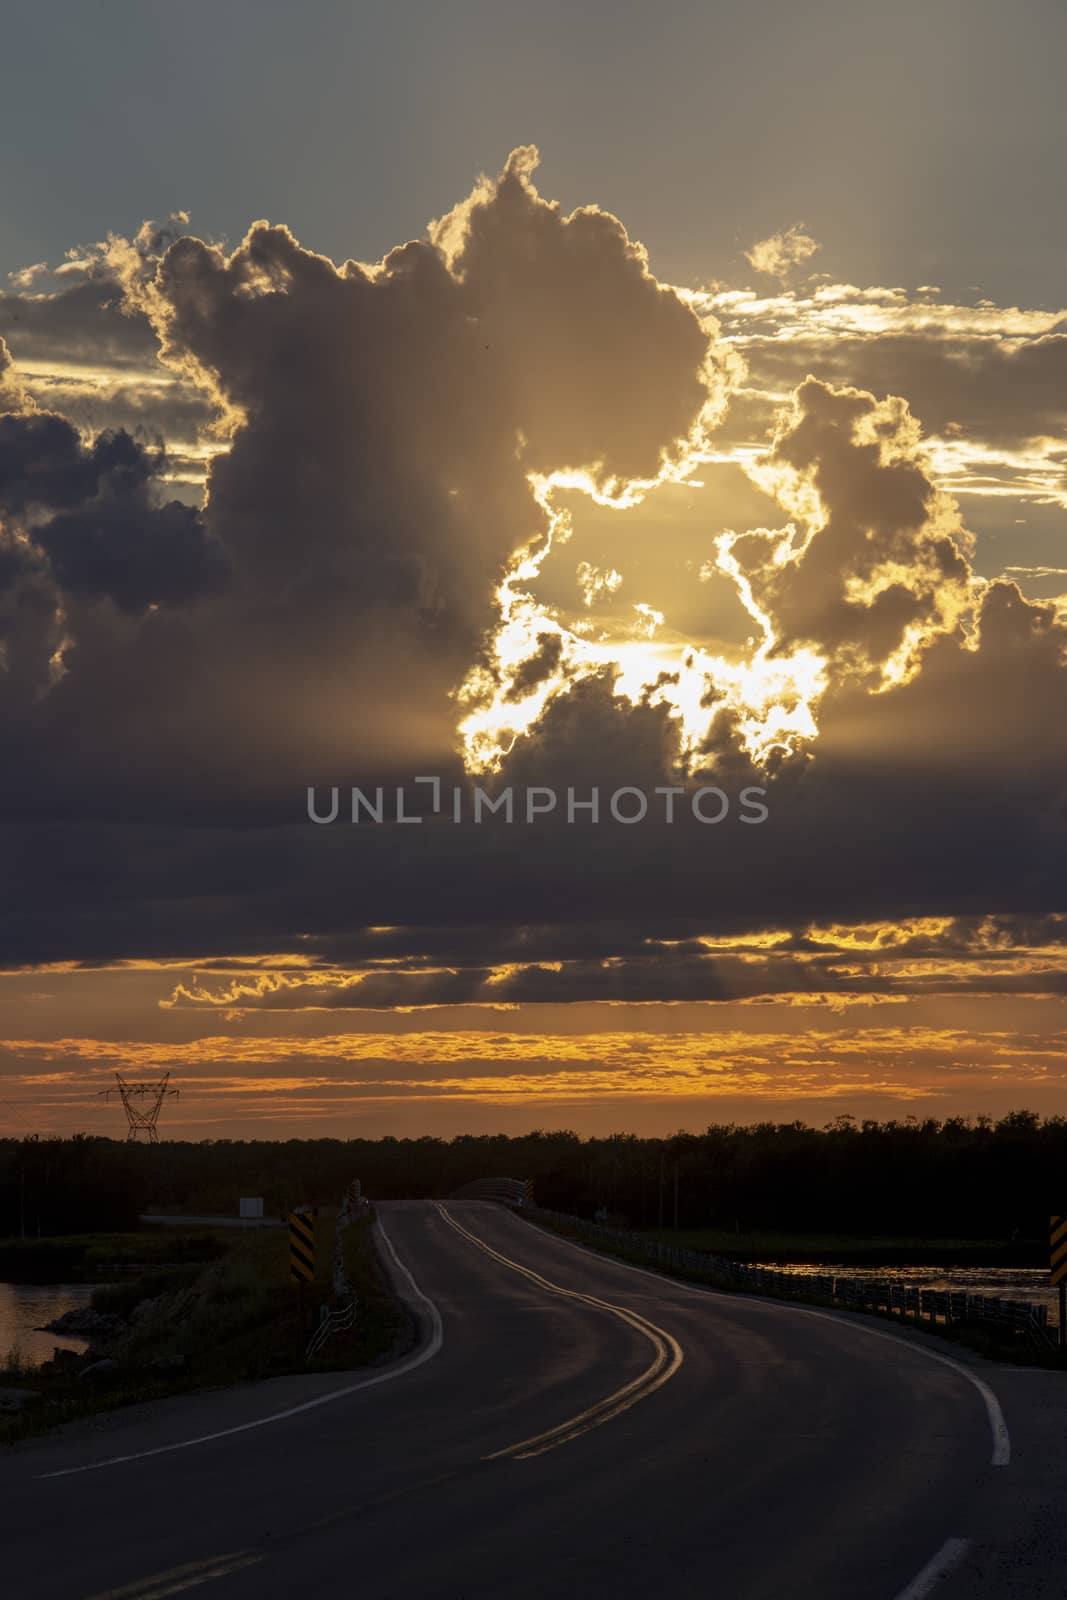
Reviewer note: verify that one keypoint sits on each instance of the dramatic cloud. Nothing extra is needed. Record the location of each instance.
(878, 566)
(1007, 394)
(81, 325)
(835, 966)
(386, 441)
(82, 522)
(504, 508)
(984, 381)
(452, 1080)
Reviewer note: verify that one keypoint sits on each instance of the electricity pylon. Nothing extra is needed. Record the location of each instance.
(142, 1117)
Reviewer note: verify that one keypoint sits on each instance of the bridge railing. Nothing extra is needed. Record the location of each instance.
(508, 1191)
(874, 1294)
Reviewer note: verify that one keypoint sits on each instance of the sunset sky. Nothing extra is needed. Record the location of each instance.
(616, 396)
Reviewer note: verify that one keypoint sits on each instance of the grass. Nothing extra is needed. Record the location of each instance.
(994, 1344)
(15, 1367)
(232, 1318)
(92, 1257)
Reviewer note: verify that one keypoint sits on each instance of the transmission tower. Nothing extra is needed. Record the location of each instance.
(142, 1103)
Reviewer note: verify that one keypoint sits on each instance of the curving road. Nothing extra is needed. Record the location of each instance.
(567, 1427)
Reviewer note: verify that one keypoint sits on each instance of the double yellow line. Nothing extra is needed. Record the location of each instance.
(665, 1363)
(177, 1579)
(667, 1358)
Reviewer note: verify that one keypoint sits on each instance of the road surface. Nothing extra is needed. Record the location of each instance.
(566, 1427)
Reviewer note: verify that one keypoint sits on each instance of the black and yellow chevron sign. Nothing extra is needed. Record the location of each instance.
(1057, 1238)
(302, 1246)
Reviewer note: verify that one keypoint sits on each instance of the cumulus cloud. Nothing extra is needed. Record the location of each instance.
(384, 442)
(24, 277)
(390, 428)
(81, 521)
(984, 380)
(778, 254)
(400, 453)
(878, 564)
(12, 395)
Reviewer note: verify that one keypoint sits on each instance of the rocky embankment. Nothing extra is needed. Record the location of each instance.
(84, 1322)
(110, 1336)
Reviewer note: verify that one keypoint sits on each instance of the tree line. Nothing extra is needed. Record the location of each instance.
(967, 1178)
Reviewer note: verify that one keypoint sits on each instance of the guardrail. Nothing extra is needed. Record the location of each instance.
(874, 1294)
(508, 1191)
(336, 1320)
(341, 1316)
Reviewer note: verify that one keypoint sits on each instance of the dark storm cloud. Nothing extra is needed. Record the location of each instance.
(591, 735)
(384, 426)
(668, 979)
(44, 467)
(132, 553)
(1003, 393)
(536, 668)
(85, 324)
(485, 946)
(90, 510)
(866, 830)
(977, 957)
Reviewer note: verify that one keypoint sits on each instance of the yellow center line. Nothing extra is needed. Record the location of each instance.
(176, 1579)
(666, 1361)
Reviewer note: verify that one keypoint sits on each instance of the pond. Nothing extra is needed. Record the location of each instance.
(26, 1307)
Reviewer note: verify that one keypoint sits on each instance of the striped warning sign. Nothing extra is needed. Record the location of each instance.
(302, 1245)
(1057, 1238)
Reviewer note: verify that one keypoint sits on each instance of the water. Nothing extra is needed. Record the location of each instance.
(1010, 1283)
(25, 1307)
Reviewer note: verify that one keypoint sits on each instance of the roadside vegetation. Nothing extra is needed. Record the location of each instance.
(964, 1182)
(224, 1314)
(97, 1257)
(199, 1306)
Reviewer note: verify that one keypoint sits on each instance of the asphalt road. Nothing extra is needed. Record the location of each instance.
(566, 1427)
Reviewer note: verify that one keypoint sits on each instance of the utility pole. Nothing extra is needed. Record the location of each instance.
(676, 1197)
(661, 1189)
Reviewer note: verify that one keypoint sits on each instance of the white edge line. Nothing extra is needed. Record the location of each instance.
(431, 1348)
(950, 1555)
(998, 1427)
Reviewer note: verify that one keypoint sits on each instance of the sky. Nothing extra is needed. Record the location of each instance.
(663, 403)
